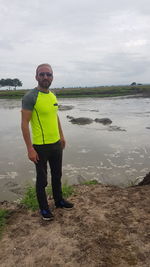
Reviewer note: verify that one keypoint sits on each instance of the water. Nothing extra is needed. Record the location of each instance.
(93, 151)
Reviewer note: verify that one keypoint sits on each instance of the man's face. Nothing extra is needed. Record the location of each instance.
(44, 76)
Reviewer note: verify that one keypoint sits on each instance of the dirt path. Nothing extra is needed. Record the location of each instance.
(108, 227)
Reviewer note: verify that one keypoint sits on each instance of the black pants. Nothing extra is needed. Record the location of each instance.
(51, 153)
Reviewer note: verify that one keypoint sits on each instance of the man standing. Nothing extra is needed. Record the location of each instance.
(39, 107)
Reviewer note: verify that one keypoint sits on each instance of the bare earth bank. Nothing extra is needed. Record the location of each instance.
(109, 226)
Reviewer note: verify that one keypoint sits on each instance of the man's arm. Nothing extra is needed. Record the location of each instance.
(26, 116)
(62, 139)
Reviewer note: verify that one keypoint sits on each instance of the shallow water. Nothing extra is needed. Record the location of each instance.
(94, 151)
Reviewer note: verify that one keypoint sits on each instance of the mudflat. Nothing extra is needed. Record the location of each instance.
(109, 226)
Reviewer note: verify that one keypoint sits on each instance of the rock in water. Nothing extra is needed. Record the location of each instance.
(69, 117)
(104, 120)
(81, 120)
(65, 107)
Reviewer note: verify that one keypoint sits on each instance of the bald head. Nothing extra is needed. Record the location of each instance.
(44, 76)
(43, 65)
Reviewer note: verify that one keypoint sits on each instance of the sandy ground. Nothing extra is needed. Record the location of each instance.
(108, 227)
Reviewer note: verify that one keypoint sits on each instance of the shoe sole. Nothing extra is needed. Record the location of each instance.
(64, 208)
(68, 208)
(47, 219)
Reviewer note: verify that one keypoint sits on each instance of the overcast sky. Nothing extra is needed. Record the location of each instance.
(87, 42)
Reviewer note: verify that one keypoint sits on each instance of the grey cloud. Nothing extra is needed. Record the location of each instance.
(86, 42)
(6, 45)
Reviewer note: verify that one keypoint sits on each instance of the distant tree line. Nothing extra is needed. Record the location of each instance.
(10, 83)
(134, 83)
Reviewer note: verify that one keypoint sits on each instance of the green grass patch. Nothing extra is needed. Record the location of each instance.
(3, 218)
(98, 91)
(67, 190)
(134, 182)
(30, 200)
(90, 182)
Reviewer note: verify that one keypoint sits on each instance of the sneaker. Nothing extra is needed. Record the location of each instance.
(64, 204)
(47, 215)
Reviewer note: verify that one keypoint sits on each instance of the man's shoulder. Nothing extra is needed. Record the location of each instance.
(29, 99)
(31, 93)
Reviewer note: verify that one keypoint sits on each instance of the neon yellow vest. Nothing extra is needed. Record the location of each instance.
(44, 120)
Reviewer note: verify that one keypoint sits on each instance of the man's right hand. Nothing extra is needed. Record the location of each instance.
(33, 155)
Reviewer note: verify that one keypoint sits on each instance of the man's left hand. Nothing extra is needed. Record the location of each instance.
(63, 142)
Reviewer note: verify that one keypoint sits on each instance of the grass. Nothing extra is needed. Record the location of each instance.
(134, 182)
(99, 91)
(91, 182)
(67, 190)
(30, 200)
(3, 218)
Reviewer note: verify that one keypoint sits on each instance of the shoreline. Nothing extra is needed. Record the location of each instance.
(101, 91)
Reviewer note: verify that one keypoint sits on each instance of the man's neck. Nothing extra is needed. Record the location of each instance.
(45, 90)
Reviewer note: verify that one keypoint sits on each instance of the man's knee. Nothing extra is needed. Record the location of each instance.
(41, 180)
(41, 184)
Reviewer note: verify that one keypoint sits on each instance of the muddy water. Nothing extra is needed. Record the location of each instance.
(118, 154)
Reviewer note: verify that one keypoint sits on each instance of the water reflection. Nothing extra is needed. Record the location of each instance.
(9, 103)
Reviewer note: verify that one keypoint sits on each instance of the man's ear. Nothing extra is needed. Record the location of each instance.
(36, 77)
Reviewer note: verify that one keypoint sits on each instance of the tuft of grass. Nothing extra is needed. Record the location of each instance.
(3, 217)
(49, 190)
(98, 91)
(134, 182)
(90, 182)
(30, 200)
(67, 190)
